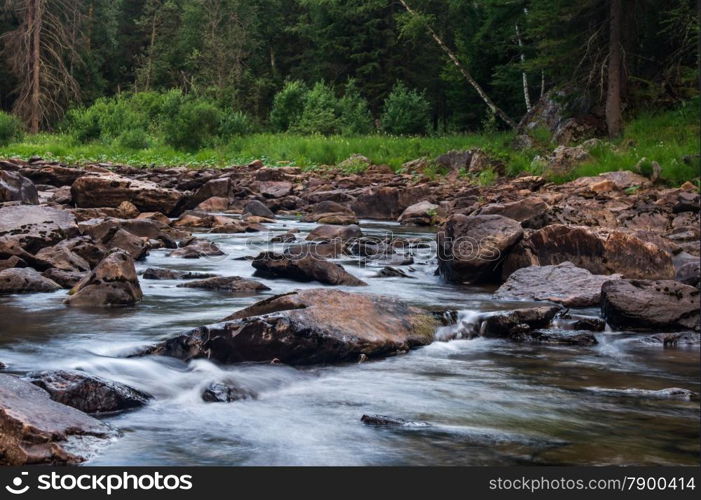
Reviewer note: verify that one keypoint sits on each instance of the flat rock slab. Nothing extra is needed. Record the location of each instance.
(564, 284)
(308, 327)
(303, 269)
(36, 430)
(25, 280)
(230, 284)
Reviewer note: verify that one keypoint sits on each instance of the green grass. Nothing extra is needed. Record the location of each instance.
(671, 139)
(275, 149)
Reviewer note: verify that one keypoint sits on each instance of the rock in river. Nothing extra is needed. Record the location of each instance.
(308, 327)
(306, 268)
(87, 393)
(35, 227)
(36, 430)
(649, 305)
(470, 249)
(25, 280)
(600, 252)
(230, 284)
(112, 283)
(565, 284)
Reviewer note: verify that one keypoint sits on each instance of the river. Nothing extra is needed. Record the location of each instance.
(488, 402)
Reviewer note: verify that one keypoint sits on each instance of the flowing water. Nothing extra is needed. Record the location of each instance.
(488, 402)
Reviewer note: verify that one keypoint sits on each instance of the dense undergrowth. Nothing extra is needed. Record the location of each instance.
(669, 138)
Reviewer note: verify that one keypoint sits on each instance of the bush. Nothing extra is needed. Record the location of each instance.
(355, 117)
(406, 112)
(235, 123)
(320, 113)
(10, 129)
(134, 139)
(288, 105)
(194, 126)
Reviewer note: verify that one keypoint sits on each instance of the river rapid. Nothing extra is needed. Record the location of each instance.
(488, 402)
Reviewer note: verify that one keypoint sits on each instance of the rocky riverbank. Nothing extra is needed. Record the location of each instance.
(617, 241)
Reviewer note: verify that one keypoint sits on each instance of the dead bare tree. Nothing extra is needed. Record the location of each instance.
(38, 52)
(524, 77)
(464, 71)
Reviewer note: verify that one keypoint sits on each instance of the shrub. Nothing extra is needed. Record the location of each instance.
(320, 113)
(194, 126)
(288, 105)
(355, 117)
(136, 138)
(10, 129)
(235, 123)
(406, 112)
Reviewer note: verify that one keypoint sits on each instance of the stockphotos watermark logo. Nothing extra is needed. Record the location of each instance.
(107, 483)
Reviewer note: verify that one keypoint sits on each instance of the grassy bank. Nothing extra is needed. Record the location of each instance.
(670, 139)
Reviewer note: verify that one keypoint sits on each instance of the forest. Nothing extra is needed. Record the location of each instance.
(157, 81)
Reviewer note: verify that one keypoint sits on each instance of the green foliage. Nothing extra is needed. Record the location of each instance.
(406, 112)
(136, 138)
(235, 123)
(318, 110)
(10, 129)
(194, 126)
(355, 117)
(669, 138)
(320, 113)
(288, 106)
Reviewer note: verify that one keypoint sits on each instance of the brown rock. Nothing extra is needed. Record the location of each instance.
(599, 252)
(229, 284)
(564, 284)
(304, 269)
(88, 393)
(307, 327)
(25, 280)
(335, 233)
(113, 283)
(15, 187)
(93, 191)
(650, 305)
(36, 430)
(470, 249)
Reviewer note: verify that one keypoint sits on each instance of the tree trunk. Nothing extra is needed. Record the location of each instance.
(614, 119)
(34, 15)
(465, 73)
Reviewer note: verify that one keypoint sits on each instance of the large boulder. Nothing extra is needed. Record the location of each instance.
(113, 282)
(88, 393)
(16, 187)
(304, 268)
(308, 327)
(32, 228)
(36, 430)
(600, 252)
(470, 249)
(564, 284)
(25, 280)
(94, 191)
(650, 305)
